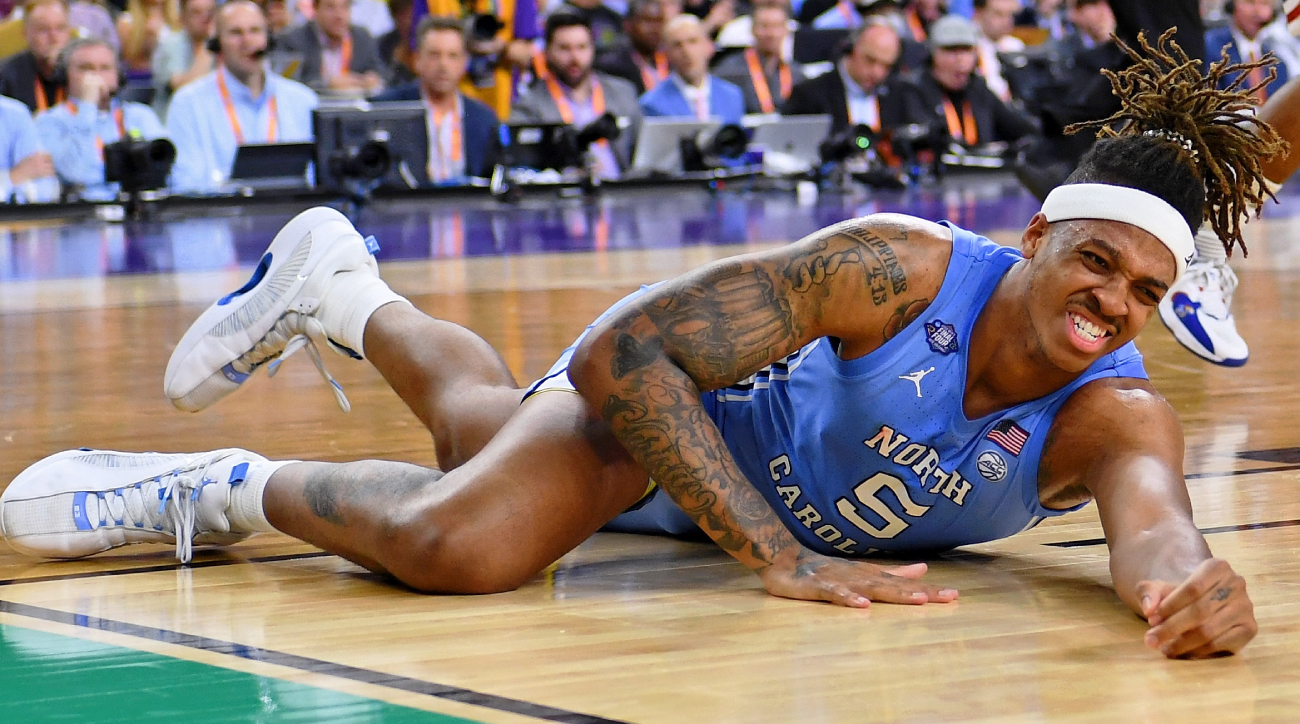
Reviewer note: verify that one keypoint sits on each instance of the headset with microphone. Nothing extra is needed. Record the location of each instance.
(213, 46)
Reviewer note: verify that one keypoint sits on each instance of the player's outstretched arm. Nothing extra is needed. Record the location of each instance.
(1121, 442)
(645, 367)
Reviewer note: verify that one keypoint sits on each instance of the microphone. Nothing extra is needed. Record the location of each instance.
(260, 53)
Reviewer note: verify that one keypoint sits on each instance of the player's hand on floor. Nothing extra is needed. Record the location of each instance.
(1209, 614)
(814, 577)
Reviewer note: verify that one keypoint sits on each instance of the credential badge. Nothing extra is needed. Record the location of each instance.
(942, 336)
(992, 466)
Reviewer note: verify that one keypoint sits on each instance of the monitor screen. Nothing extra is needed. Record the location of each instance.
(400, 127)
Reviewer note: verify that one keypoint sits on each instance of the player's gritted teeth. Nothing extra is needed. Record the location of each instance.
(1086, 334)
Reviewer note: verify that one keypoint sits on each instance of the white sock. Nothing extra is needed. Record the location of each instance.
(1208, 246)
(351, 299)
(246, 514)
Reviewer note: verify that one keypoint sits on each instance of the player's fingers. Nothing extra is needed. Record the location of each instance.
(844, 596)
(894, 589)
(1150, 594)
(1207, 577)
(1198, 635)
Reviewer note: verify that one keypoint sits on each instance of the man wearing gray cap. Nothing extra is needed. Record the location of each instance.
(949, 94)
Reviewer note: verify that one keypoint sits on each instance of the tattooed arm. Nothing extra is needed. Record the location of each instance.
(645, 367)
(1117, 440)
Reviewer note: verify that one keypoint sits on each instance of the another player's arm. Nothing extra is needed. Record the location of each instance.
(645, 367)
(1120, 442)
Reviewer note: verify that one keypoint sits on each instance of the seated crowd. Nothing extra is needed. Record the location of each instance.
(211, 76)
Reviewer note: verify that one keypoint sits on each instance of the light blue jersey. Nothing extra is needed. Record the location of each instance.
(876, 453)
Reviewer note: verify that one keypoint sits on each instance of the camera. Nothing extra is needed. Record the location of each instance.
(482, 28)
(555, 145)
(138, 164)
(367, 162)
(713, 149)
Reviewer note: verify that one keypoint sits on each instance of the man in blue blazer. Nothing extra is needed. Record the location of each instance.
(462, 131)
(1245, 39)
(691, 92)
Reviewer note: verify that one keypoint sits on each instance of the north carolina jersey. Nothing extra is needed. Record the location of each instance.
(876, 453)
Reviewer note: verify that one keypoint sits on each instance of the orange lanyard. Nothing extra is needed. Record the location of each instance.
(347, 55)
(41, 101)
(99, 142)
(234, 120)
(445, 160)
(759, 79)
(539, 65)
(562, 101)
(649, 78)
(964, 127)
(914, 22)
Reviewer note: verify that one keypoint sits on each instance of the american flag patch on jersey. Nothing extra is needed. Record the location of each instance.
(1009, 436)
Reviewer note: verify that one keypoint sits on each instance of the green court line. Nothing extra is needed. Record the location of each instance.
(48, 677)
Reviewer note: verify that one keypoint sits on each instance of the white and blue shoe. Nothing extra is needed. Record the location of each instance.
(81, 502)
(1198, 311)
(273, 315)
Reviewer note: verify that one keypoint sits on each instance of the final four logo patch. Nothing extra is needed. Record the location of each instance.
(942, 336)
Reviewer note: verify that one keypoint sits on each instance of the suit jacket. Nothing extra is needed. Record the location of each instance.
(994, 120)
(826, 94)
(18, 78)
(1218, 39)
(305, 39)
(478, 130)
(537, 106)
(735, 69)
(726, 102)
(618, 62)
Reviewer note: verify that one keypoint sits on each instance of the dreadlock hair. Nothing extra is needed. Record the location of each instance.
(1179, 137)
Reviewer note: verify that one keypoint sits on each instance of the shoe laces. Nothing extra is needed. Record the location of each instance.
(293, 331)
(1220, 281)
(166, 503)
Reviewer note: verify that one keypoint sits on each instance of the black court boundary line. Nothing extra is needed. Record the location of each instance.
(1251, 471)
(303, 663)
(1205, 531)
(163, 567)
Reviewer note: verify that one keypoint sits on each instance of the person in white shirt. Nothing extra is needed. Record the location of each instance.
(995, 19)
(237, 104)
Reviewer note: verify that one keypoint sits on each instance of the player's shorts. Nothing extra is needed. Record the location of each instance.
(655, 512)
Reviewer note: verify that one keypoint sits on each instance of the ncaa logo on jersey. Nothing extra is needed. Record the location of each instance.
(942, 336)
(992, 466)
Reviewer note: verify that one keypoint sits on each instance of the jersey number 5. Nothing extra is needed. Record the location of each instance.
(868, 493)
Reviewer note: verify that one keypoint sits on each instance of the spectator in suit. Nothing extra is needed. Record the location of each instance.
(860, 91)
(691, 91)
(183, 57)
(29, 75)
(462, 132)
(640, 61)
(951, 95)
(761, 72)
(238, 103)
(337, 55)
(995, 19)
(851, 15)
(77, 131)
(1244, 42)
(26, 172)
(571, 92)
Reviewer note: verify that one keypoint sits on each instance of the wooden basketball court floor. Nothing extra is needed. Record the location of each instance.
(625, 628)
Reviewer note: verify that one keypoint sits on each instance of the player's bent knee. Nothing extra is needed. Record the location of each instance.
(433, 554)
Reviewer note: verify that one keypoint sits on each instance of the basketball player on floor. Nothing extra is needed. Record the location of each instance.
(887, 384)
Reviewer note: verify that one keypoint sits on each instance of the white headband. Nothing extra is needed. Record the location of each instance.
(1127, 205)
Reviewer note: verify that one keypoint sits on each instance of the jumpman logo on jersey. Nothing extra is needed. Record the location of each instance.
(915, 378)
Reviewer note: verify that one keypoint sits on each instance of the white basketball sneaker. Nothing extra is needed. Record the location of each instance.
(81, 502)
(1198, 311)
(316, 284)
